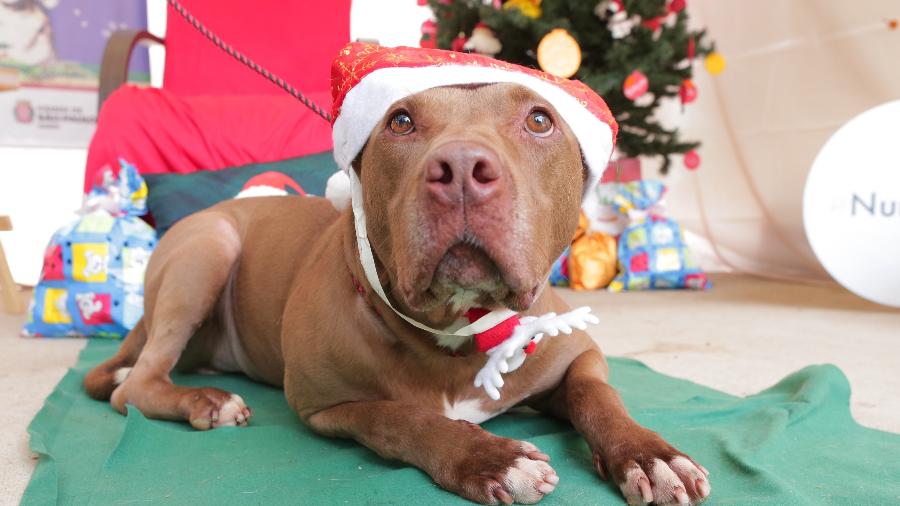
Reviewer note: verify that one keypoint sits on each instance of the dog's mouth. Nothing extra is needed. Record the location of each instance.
(467, 276)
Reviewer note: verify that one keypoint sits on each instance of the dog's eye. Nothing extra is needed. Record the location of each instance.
(539, 123)
(401, 124)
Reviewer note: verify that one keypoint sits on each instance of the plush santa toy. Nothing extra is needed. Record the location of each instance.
(269, 184)
(367, 79)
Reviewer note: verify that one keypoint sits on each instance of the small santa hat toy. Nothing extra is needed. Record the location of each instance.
(366, 79)
(269, 184)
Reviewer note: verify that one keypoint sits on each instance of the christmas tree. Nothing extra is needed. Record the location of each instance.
(633, 53)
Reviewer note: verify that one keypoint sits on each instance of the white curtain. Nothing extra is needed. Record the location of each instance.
(796, 71)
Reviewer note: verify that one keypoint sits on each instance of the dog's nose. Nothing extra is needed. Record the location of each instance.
(459, 168)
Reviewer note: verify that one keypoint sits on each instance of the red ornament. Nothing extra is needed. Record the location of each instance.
(691, 49)
(459, 42)
(428, 41)
(677, 6)
(421, 2)
(429, 34)
(635, 85)
(691, 160)
(687, 92)
(653, 23)
(429, 27)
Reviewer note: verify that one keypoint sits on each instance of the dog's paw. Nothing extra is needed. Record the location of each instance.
(678, 481)
(211, 408)
(649, 470)
(506, 471)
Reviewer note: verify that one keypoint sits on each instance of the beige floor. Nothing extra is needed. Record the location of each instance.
(740, 337)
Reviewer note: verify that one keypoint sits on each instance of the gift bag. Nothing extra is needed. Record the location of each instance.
(652, 252)
(92, 282)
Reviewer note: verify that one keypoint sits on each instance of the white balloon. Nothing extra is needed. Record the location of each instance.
(851, 205)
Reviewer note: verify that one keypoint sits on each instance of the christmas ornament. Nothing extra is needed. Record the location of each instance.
(429, 34)
(691, 49)
(483, 41)
(691, 160)
(687, 92)
(653, 24)
(559, 53)
(459, 42)
(677, 6)
(528, 8)
(421, 3)
(645, 100)
(618, 22)
(635, 85)
(714, 63)
(893, 24)
(379, 76)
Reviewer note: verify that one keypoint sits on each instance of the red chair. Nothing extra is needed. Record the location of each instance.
(213, 112)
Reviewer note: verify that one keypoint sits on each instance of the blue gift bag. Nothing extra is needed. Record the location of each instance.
(92, 282)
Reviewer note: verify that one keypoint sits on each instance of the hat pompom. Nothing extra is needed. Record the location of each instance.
(337, 190)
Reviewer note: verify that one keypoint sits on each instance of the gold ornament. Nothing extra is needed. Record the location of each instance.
(559, 53)
(714, 63)
(528, 8)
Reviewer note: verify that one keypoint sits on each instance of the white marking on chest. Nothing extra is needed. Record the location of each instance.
(452, 342)
(468, 410)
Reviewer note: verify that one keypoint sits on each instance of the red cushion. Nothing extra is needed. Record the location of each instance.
(161, 132)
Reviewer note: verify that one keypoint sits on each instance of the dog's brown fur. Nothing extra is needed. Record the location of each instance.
(278, 275)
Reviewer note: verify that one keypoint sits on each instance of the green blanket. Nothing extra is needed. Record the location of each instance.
(794, 443)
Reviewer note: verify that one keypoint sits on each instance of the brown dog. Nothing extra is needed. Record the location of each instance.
(464, 209)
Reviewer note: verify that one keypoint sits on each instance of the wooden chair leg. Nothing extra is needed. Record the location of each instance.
(12, 301)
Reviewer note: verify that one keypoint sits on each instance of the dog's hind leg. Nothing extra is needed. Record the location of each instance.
(185, 279)
(103, 379)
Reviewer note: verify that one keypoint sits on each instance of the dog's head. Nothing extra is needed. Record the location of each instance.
(471, 193)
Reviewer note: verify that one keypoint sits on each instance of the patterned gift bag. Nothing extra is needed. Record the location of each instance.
(652, 252)
(92, 282)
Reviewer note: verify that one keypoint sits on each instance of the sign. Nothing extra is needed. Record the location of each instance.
(851, 205)
(50, 54)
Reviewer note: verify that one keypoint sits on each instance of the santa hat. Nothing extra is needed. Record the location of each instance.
(367, 78)
(269, 184)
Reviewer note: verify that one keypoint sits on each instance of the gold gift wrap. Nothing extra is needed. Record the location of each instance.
(592, 258)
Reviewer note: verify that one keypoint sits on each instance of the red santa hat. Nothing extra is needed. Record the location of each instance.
(367, 78)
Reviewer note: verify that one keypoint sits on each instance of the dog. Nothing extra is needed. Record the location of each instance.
(465, 209)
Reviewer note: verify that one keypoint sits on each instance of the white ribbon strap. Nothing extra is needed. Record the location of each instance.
(367, 259)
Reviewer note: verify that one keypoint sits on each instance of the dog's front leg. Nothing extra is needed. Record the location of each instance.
(459, 456)
(644, 466)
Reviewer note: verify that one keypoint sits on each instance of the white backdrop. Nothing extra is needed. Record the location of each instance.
(796, 72)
